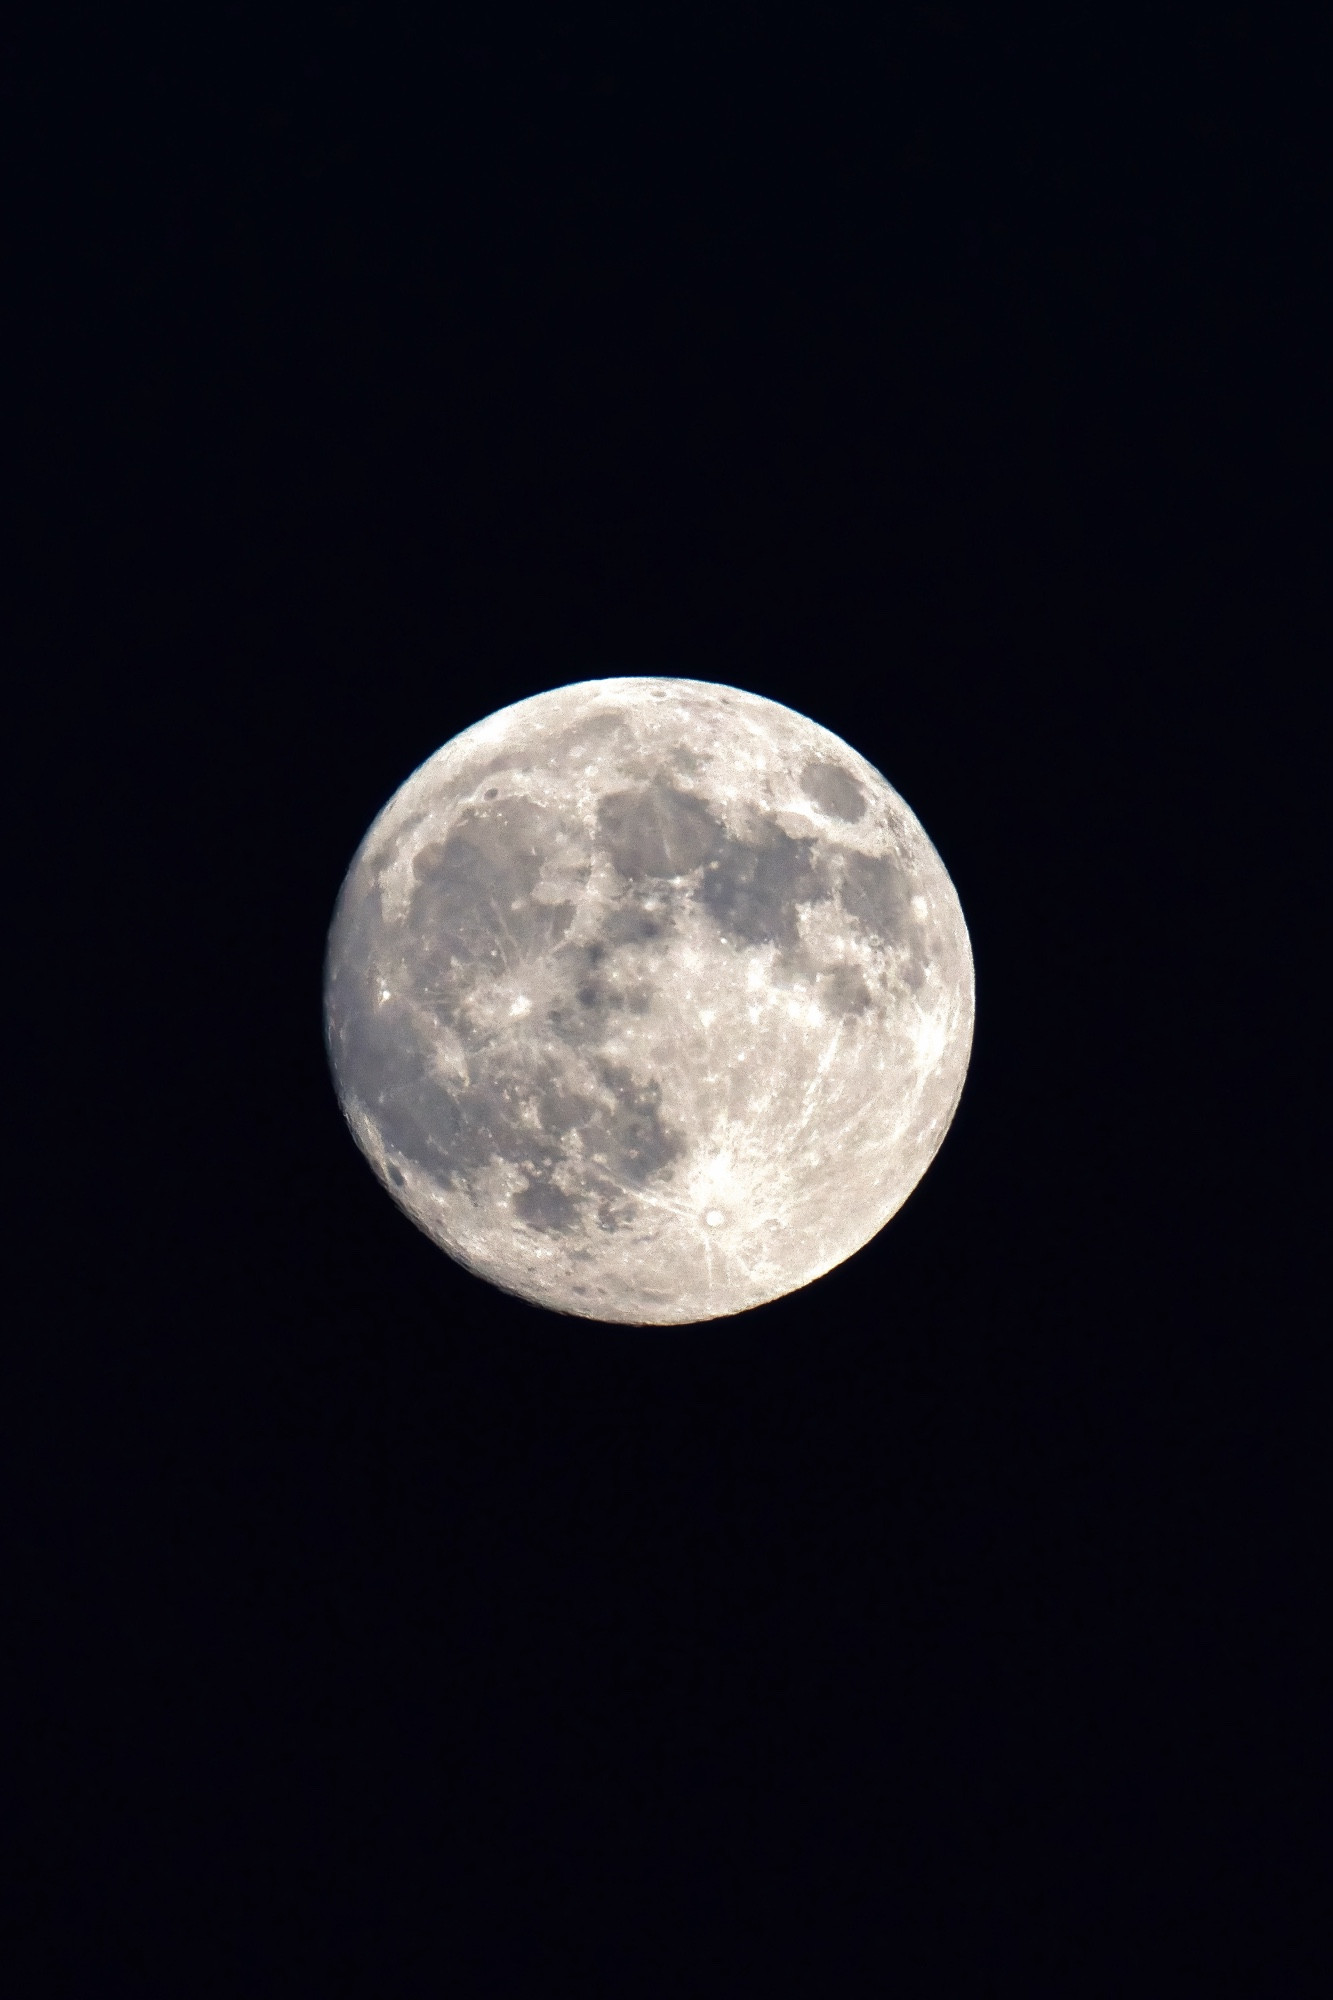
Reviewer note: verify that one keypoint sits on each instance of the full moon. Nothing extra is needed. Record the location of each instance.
(648, 1000)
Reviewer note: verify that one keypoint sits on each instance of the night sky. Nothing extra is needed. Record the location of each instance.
(956, 377)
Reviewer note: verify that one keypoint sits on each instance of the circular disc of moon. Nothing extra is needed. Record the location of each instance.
(648, 1000)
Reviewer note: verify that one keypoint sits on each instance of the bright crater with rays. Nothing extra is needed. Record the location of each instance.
(648, 1000)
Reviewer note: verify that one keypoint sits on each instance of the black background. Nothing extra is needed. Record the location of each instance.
(950, 376)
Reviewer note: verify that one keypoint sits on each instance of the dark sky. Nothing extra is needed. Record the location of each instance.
(955, 375)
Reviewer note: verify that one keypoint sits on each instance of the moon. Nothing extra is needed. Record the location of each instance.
(648, 1000)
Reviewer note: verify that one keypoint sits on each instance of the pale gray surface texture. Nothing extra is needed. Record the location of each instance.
(648, 1000)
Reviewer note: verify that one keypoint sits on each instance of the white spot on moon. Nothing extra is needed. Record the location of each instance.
(637, 953)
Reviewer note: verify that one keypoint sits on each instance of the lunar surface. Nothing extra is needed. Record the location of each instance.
(648, 1000)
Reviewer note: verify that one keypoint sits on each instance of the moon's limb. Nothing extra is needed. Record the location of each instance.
(648, 1000)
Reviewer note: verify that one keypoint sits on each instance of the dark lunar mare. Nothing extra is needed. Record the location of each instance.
(877, 892)
(754, 886)
(833, 789)
(473, 917)
(754, 889)
(657, 832)
(473, 900)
